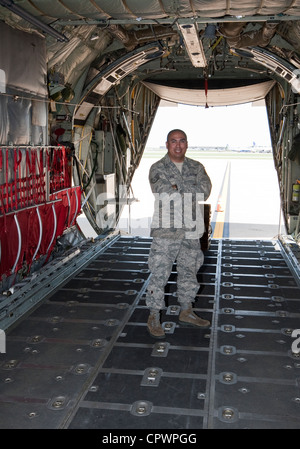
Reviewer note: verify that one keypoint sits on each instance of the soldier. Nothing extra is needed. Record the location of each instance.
(178, 183)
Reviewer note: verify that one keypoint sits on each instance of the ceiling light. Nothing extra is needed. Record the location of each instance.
(94, 37)
(193, 45)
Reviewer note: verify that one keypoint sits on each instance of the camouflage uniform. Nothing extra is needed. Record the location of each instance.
(180, 241)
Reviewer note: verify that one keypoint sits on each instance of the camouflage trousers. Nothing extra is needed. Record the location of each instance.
(163, 254)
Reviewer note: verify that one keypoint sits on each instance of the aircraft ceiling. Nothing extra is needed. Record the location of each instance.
(203, 45)
(138, 10)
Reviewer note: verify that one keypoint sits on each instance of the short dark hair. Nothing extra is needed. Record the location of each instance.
(176, 130)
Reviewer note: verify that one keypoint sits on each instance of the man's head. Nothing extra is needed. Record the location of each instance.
(176, 145)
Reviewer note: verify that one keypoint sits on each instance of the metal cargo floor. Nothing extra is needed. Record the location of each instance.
(84, 359)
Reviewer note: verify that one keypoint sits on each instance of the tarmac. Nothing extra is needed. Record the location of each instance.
(247, 202)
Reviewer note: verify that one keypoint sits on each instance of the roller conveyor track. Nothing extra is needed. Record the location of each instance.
(84, 359)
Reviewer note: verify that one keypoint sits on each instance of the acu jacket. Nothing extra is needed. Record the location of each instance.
(177, 209)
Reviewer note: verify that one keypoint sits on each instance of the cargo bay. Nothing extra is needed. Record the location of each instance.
(84, 358)
(79, 90)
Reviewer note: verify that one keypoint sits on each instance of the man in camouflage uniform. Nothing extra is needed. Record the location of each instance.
(178, 184)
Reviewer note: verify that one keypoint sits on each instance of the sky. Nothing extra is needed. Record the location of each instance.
(214, 126)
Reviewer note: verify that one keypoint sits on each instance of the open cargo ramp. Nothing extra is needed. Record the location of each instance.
(84, 359)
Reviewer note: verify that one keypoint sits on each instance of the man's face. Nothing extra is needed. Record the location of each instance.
(177, 146)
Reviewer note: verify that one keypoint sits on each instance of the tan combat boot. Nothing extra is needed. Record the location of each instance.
(154, 327)
(189, 318)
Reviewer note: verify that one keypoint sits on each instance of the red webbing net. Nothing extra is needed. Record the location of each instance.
(28, 173)
(37, 203)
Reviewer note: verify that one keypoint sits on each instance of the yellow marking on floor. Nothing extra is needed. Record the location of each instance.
(221, 206)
